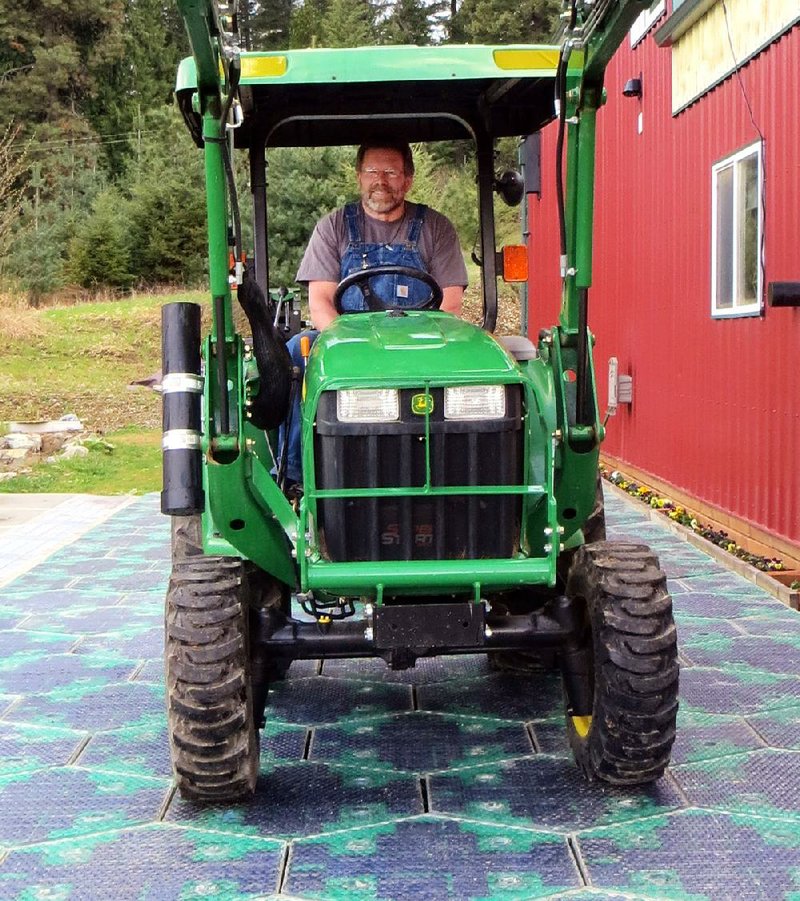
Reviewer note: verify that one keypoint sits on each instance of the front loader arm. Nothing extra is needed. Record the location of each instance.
(203, 26)
(217, 64)
(592, 31)
(590, 36)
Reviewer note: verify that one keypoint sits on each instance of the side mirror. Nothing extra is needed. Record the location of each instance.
(510, 186)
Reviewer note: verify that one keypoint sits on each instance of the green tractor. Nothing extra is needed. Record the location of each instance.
(451, 497)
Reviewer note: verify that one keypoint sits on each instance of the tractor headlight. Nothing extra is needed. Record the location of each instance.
(368, 405)
(475, 402)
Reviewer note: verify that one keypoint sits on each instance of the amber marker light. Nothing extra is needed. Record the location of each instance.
(515, 263)
(305, 350)
(254, 67)
(526, 58)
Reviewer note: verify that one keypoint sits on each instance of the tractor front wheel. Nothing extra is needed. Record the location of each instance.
(633, 671)
(212, 728)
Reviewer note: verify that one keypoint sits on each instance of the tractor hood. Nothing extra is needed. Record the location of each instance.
(407, 349)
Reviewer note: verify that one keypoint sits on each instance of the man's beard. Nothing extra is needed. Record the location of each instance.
(391, 200)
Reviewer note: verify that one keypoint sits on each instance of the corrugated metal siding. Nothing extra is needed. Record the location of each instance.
(716, 407)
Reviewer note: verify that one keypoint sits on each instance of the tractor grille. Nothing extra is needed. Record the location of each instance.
(400, 455)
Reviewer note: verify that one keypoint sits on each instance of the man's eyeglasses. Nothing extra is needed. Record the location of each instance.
(389, 174)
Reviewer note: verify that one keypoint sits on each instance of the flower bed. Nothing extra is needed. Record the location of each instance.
(771, 565)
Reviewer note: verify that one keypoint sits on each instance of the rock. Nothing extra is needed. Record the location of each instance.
(67, 423)
(29, 443)
(4, 476)
(53, 442)
(12, 454)
(72, 451)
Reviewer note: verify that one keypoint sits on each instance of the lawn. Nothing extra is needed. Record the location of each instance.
(82, 359)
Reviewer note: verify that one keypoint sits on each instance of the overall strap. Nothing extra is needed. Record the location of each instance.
(351, 218)
(415, 228)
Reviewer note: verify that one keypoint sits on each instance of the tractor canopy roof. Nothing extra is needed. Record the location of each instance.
(318, 97)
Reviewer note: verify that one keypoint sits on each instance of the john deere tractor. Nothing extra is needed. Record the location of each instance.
(451, 502)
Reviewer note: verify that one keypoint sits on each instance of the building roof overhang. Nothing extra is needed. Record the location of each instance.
(689, 12)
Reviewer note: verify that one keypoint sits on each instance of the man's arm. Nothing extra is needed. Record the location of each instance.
(447, 261)
(320, 303)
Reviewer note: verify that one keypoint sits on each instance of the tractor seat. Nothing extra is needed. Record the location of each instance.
(520, 347)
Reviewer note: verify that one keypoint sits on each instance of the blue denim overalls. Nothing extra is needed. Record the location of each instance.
(392, 289)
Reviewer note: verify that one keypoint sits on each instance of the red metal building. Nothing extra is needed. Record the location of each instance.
(697, 238)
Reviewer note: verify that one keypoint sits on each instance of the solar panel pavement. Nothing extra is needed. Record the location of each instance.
(448, 781)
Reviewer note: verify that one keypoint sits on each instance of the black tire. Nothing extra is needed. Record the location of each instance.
(633, 677)
(212, 730)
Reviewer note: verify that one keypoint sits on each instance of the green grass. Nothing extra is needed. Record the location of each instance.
(81, 359)
(127, 461)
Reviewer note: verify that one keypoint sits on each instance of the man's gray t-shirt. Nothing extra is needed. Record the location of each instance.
(438, 245)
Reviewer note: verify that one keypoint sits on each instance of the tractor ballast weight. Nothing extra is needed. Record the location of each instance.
(466, 515)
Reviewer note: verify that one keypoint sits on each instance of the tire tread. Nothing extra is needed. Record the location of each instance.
(636, 670)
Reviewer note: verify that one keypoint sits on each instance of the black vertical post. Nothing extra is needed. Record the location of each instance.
(182, 389)
(485, 147)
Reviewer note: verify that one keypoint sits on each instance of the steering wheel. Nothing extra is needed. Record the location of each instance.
(376, 304)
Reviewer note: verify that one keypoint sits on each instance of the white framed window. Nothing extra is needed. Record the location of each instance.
(645, 21)
(737, 223)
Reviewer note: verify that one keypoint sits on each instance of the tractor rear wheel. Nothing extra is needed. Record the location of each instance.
(633, 671)
(212, 727)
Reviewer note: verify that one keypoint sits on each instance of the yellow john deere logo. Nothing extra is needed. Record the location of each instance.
(422, 404)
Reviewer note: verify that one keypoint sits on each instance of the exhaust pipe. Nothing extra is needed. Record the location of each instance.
(182, 391)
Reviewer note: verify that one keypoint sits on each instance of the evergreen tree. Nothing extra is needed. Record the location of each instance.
(502, 22)
(265, 24)
(99, 254)
(51, 55)
(154, 41)
(306, 25)
(60, 192)
(167, 213)
(410, 22)
(348, 23)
